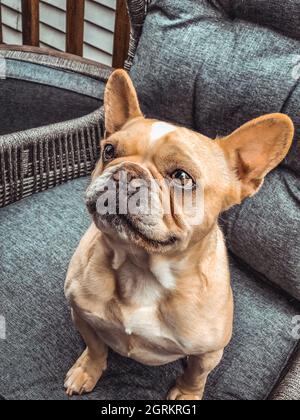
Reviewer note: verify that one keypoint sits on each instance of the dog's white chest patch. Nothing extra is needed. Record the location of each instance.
(143, 322)
(159, 130)
(162, 271)
(142, 318)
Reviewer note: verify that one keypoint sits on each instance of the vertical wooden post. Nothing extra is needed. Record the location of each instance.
(122, 35)
(31, 22)
(75, 27)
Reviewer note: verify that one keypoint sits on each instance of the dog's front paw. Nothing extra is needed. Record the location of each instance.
(83, 376)
(79, 382)
(176, 394)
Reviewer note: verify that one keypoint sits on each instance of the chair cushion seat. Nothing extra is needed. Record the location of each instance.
(38, 238)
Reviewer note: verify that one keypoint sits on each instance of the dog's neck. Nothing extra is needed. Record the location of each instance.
(136, 269)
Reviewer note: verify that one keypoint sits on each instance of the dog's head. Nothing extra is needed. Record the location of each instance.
(161, 187)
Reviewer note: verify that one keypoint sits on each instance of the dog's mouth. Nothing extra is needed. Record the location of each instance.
(144, 227)
(123, 224)
(171, 240)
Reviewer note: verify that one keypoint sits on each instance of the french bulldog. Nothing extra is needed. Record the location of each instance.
(154, 285)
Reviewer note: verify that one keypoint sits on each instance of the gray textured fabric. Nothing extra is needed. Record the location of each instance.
(291, 108)
(57, 60)
(282, 16)
(265, 231)
(46, 75)
(25, 105)
(38, 237)
(223, 63)
(289, 387)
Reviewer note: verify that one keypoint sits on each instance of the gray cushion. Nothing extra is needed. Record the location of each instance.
(25, 105)
(265, 231)
(38, 237)
(223, 63)
(283, 16)
(292, 107)
(289, 387)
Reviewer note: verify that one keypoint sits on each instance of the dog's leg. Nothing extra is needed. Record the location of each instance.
(191, 385)
(88, 369)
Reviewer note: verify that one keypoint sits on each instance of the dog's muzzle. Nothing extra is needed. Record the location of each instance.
(123, 180)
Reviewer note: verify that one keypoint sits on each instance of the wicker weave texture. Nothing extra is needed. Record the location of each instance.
(137, 11)
(38, 159)
(34, 160)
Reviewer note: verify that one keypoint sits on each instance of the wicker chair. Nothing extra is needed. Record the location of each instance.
(35, 159)
(38, 159)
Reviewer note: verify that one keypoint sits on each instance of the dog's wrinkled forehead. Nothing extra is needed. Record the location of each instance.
(145, 134)
(160, 129)
(163, 145)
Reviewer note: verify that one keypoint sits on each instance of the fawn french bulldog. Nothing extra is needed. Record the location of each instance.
(154, 285)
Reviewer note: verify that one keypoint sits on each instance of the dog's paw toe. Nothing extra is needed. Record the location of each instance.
(84, 375)
(177, 395)
(79, 382)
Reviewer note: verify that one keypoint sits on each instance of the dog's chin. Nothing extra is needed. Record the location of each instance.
(123, 228)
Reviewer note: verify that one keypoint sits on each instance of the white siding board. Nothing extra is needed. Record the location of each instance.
(99, 26)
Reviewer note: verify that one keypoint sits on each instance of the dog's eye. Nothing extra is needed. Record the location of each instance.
(182, 179)
(109, 152)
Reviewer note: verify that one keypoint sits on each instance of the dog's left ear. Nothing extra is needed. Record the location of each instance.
(256, 148)
(120, 102)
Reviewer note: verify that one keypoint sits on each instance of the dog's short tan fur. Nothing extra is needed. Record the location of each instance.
(147, 297)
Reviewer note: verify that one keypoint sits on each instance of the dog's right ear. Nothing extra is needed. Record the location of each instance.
(120, 102)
